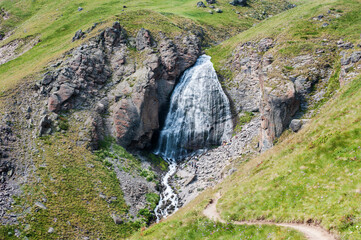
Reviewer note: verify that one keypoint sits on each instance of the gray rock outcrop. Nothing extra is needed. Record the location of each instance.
(260, 83)
(242, 3)
(137, 90)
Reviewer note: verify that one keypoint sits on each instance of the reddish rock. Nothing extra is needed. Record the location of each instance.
(53, 103)
(65, 92)
(58, 98)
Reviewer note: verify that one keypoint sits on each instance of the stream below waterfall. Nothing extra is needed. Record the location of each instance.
(199, 117)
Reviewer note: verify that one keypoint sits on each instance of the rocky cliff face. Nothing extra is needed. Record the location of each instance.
(113, 85)
(127, 90)
(278, 85)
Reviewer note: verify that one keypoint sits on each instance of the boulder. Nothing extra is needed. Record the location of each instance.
(78, 35)
(218, 10)
(295, 125)
(47, 79)
(201, 4)
(45, 125)
(54, 103)
(58, 98)
(345, 60)
(355, 57)
(114, 36)
(211, 1)
(117, 219)
(242, 3)
(144, 40)
(65, 92)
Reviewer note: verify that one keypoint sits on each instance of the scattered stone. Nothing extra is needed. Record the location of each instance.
(40, 205)
(355, 57)
(50, 230)
(242, 3)
(342, 44)
(80, 9)
(117, 219)
(297, 124)
(345, 61)
(144, 40)
(45, 126)
(201, 4)
(78, 35)
(210, 12)
(218, 10)
(211, 1)
(325, 25)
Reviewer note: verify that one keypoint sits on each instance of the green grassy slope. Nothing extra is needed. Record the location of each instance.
(189, 223)
(81, 194)
(55, 22)
(295, 31)
(312, 176)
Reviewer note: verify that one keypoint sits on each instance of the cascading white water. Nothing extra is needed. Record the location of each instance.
(199, 117)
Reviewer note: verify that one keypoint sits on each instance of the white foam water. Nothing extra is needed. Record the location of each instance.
(199, 117)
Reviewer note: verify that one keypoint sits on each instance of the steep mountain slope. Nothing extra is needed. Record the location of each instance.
(73, 104)
(53, 24)
(69, 97)
(311, 176)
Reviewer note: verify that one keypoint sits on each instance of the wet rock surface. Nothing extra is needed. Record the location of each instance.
(201, 172)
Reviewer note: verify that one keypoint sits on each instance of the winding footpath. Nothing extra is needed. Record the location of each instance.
(310, 232)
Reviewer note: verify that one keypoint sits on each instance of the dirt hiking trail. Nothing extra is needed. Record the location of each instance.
(310, 232)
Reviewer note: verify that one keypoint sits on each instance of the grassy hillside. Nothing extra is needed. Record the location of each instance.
(311, 176)
(71, 192)
(55, 23)
(295, 30)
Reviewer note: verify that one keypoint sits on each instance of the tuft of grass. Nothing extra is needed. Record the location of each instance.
(158, 162)
(63, 123)
(246, 117)
(152, 199)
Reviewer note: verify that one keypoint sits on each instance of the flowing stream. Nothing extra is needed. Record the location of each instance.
(199, 117)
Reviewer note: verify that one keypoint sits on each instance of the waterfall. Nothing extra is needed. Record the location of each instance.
(199, 117)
